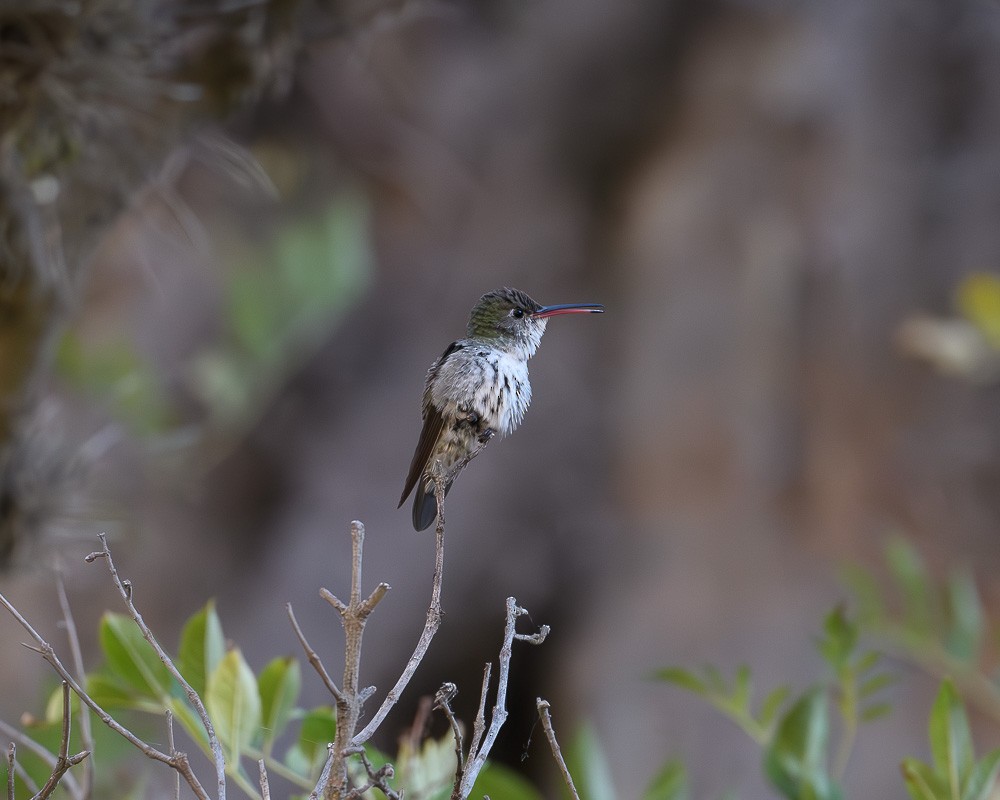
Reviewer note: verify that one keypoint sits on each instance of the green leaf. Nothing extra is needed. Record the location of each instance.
(875, 683)
(279, 685)
(772, 704)
(966, 618)
(201, 648)
(588, 764)
(670, 783)
(795, 761)
(502, 783)
(921, 782)
(866, 592)
(132, 659)
(233, 704)
(910, 574)
(981, 781)
(683, 678)
(840, 637)
(876, 711)
(318, 729)
(951, 741)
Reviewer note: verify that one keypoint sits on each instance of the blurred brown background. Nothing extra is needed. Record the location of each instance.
(760, 192)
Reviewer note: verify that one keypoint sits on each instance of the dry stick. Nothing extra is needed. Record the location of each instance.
(177, 761)
(377, 778)
(265, 788)
(11, 761)
(314, 659)
(550, 734)
(353, 616)
(125, 590)
(43, 753)
(442, 700)
(63, 760)
(170, 743)
(479, 726)
(433, 621)
(477, 760)
(324, 775)
(86, 734)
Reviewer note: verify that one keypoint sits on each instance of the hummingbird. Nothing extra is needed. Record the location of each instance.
(478, 388)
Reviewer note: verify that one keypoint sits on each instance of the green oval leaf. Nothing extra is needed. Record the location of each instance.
(670, 783)
(319, 728)
(951, 740)
(132, 659)
(795, 761)
(233, 703)
(279, 685)
(201, 648)
(502, 783)
(983, 778)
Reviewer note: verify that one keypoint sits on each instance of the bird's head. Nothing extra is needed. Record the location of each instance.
(513, 317)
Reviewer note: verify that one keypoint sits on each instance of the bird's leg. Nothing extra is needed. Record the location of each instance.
(486, 435)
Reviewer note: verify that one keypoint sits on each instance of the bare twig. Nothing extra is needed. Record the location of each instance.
(43, 753)
(433, 621)
(324, 776)
(377, 778)
(550, 734)
(265, 788)
(442, 700)
(63, 760)
(178, 761)
(170, 744)
(11, 761)
(86, 734)
(479, 726)
(353, 616)
(314, 659)
(125, 590)
(477, 759)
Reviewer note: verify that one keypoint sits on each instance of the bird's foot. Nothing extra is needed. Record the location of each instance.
(486, 435)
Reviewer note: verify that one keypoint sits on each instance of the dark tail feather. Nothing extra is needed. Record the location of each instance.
(425, 507)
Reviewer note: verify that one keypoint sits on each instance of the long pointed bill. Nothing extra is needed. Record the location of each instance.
(568, 308)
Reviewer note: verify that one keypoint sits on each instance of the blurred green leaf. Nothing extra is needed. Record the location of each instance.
(951, 740)
(201, 648)
(502, 783)
(116, 373)
(772, 704)
(978, 298)
(876, 711)
(428, 770)
(132, 659)
(910, 574)
(233, 704)
(795, 761)
(683, 678)
(966, 618)
(875, 683)
(982, 779)
(840, 637)
(318, 729)
(670, 783)
(279, 684)
(921, 782)
(588, 764)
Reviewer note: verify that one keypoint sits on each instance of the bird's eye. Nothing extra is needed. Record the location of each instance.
(517, 313)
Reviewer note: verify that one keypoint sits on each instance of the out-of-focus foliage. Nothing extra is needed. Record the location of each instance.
(795, 735)
(953, 772)
(281, 300)
(255, 716)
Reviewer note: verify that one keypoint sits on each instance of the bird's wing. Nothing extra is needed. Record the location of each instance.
(433, 423)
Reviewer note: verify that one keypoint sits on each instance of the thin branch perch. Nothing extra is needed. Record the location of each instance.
(550, 734)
